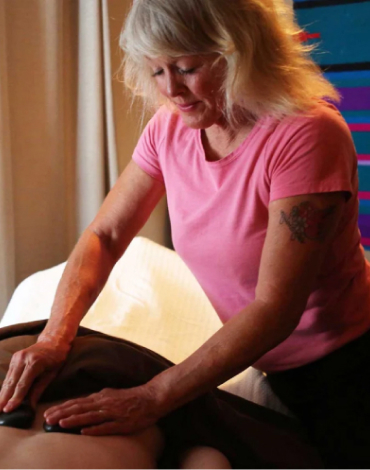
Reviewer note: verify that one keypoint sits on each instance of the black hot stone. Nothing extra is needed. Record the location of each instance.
(57, 428)
(22, 417)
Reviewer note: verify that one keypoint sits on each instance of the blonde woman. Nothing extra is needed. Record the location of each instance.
(260, 172)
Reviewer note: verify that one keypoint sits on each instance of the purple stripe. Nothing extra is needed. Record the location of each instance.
(365, 241)
(359, 127)
(364, 224)
(355, 99)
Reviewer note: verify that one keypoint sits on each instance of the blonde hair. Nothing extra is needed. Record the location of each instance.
(269, 71)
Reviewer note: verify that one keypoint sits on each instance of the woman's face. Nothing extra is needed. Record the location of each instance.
(194, 86)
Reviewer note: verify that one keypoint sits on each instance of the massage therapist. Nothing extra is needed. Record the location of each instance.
(260, 173)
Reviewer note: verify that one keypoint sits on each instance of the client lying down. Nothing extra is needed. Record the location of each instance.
(35, 448)
(183, 439)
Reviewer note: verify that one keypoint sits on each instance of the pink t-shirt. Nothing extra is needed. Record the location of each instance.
(219, 215)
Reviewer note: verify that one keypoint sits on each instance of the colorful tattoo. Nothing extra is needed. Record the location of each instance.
(307, 222)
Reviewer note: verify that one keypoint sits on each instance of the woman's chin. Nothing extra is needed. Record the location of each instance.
(195, 121)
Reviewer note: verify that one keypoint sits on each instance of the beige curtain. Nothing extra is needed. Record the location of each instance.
(7, 260)
(65, 128)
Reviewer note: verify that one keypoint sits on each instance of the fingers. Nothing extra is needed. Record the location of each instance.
(68, 404)
(84, 419)
(22, 386)
(26, 366)
(17, 383)
(72, 407)
(9, 384)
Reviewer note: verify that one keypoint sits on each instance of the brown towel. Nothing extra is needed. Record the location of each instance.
(249, 435)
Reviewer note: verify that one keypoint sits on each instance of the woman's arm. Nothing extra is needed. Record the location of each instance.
(123, 213)
(299, 232)
(290, 262)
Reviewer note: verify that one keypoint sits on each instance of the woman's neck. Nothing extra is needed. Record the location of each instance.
(219, 141)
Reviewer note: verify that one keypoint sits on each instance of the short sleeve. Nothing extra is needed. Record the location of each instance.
(312, 154)
(146, 151)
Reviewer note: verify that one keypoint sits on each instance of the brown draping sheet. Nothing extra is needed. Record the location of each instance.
(249, 435)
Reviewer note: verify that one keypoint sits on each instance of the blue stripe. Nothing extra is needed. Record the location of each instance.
(349, 79)
(358, 120)
(347, 75)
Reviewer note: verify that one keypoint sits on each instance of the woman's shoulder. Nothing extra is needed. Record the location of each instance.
(166, 124)
(311, 153)
(322, 118)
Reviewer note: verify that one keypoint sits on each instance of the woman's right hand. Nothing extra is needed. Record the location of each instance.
(30, 371)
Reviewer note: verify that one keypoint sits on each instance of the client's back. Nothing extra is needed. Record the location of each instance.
(34, 448)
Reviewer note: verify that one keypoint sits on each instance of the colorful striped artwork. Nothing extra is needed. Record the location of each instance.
(341, 29)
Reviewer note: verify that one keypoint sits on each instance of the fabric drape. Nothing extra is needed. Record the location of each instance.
(66, 129)
(96, 150)
(7, 274)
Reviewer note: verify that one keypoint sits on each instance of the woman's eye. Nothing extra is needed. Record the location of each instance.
(186, 71)
(180, 71)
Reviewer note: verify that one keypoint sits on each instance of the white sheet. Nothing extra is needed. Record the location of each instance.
(150, 298)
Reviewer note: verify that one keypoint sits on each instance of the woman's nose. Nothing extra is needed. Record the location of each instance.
(174, 86)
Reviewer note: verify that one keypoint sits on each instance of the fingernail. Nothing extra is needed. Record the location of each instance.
(9, 406)
(52, 420)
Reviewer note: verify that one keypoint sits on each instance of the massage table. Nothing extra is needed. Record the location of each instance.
(152, 299)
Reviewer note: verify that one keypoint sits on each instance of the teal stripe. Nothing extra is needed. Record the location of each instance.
(349, 114)
(351, 83)
(362, 142)
(364, 178)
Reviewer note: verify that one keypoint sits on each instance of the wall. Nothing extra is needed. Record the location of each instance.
(128, 121)
(340, 29)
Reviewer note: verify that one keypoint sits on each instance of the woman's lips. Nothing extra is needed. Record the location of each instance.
(186, 108)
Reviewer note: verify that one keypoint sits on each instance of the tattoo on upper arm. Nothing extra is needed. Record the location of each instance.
(307, 222)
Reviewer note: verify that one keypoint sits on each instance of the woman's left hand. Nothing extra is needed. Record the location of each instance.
(111, 411)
